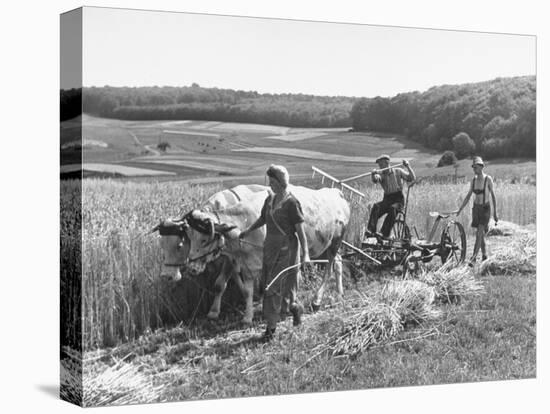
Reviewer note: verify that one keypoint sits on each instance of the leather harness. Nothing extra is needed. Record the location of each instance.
(180, 231)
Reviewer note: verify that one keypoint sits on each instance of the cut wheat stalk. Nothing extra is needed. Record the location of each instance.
(518, 257)
(399, 304)
(452, 283)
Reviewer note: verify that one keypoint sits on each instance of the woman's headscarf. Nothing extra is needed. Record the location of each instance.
(279, 173)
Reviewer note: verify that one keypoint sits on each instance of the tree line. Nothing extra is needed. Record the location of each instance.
(495, 118)
(214, 104)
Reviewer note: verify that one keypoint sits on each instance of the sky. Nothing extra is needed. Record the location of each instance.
(145, 48)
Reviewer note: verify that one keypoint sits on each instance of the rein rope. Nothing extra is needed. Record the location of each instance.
(214, 252)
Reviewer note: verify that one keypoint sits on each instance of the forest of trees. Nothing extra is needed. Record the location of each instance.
(495, 118)
(213, 104)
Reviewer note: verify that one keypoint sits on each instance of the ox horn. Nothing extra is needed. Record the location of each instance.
(224, 228)
(212, 230)
(154, 229)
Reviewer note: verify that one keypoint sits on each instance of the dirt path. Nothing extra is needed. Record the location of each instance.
(152, 150)
(147, 147)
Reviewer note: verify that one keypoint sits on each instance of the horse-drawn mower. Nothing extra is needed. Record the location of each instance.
(401, 249)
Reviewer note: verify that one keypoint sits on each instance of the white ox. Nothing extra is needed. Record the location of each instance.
(231, 196)
(211, 236)
(174, 243)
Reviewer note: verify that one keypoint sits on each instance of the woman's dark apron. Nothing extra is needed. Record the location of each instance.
(281, 250)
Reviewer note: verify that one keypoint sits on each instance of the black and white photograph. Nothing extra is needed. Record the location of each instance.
(298, 222)
(257, 206)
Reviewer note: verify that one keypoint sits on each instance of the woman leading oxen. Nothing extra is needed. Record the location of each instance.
(314, 227)
(285, 242)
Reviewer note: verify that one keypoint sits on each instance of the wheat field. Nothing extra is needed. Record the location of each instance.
(122, 296)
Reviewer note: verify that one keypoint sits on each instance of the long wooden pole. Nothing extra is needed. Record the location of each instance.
(367, 174)
(337, 181)
(356, 249)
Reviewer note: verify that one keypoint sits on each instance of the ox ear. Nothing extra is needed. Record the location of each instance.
(227, 230)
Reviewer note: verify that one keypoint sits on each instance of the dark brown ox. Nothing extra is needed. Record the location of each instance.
(209, 235)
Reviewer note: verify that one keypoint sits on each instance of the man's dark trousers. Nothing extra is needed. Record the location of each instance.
(386, 206)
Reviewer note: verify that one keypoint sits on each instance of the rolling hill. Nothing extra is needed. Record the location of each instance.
(205, 151)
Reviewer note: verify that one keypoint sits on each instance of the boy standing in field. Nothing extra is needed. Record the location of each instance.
(482, 186)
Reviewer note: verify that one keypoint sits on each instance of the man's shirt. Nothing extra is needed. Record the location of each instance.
(392, 180)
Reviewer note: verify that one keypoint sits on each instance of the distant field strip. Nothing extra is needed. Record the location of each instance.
(85, 143)
(114, 169)
(324, 130)
(238, 145)
(165, 124)
(154, 124)
(196, 158)
(312, 155)
(207, 124)
(270, 129)
(197, 165)
(297, 137)
(190, 132)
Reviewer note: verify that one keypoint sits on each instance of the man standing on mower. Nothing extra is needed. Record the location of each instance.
(391, 180)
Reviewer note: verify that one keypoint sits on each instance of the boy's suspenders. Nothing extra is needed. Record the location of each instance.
(484, 186)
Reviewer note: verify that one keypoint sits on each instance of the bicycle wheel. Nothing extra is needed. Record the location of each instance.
(453, 243)
(400, 230)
